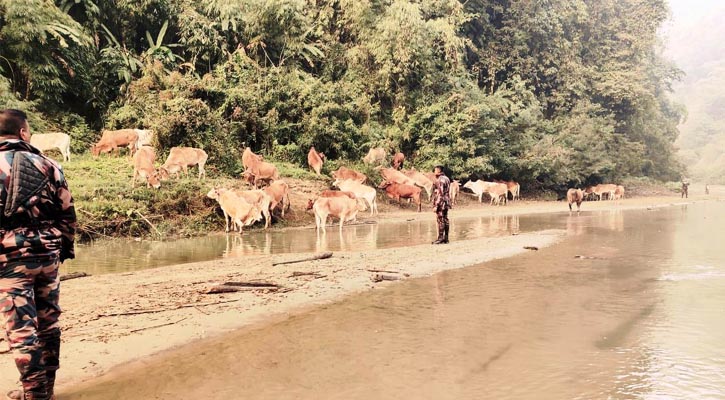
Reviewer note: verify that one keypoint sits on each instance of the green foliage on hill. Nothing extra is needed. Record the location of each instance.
(551, 93)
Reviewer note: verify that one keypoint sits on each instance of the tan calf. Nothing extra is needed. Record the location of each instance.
(261, 200)
(278, 191)
(315, 160)
(235, 208)
(181, 158)
(143, 166)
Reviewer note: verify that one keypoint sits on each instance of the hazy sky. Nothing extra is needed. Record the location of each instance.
(688, 11)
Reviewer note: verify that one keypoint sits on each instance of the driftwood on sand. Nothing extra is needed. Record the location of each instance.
(74, 275)
(384, 277)
(231, 287)
(320, 256)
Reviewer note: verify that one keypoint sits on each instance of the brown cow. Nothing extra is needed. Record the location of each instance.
(420, 180)
(315, 160)
(513, 187)
(605, 188)
(398, 160)
(398, 191)
(114, 140)
(180, 159)
(393, 175)
(575, 196)
(498, 191)
(259, 172)
(143, 166)
(343, 174)
(248, 157)
(278, 191)
(375, 156)
(343, 208)
(619, 192)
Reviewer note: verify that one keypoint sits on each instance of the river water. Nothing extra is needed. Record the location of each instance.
(110, 256)
(641, 317)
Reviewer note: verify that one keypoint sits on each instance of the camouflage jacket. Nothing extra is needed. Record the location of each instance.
(37, 217)
(442, 192)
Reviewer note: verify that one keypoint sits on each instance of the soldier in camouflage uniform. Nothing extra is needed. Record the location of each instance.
(37, 226)
(442, 203)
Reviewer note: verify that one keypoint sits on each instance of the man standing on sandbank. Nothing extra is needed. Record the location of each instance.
(441, 203)
(37, 229)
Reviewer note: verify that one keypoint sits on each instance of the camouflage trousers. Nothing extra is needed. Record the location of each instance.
(443, 222)
(29, 313)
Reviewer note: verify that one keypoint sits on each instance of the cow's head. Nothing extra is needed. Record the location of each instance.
(248, 177)
(310, 204)
(213, 194)
(95, 150)
(153, 180)
(384, 184)
(336, 183)
(163, 173)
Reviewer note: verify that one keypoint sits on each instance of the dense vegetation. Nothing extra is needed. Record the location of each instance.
(551, 92)
(698, 49)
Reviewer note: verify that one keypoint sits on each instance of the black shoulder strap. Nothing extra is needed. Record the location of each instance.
(26, 180)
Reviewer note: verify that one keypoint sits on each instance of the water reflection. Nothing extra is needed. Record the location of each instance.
(642, 320)
(124, 255)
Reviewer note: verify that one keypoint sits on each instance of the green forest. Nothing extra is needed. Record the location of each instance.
(549, 92)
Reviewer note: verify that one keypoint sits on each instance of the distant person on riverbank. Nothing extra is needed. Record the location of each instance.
(707, 189)
(442, 203)
(685, 187)
(37, 225)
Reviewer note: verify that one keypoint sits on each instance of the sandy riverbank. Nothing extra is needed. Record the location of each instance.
(175, 311)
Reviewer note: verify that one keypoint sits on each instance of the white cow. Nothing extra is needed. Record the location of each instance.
(49, 141)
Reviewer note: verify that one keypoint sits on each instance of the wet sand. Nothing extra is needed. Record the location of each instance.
(117, 318)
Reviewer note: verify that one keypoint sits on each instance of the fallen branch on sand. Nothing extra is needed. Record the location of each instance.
(74, 275)
(589, 257)
(158, 310)
(320, 256)
(383, 277)
(314, 274)
(156, 326)
(231, 287)
(531, 248)
(382, 270)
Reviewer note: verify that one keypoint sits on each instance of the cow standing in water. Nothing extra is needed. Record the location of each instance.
(575, 196)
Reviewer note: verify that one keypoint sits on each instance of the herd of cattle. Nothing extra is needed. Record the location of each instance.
(270, 194)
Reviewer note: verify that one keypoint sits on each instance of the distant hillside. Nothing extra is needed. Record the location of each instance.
(700, 51)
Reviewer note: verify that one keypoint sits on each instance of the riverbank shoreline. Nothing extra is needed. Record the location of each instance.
(113, 319)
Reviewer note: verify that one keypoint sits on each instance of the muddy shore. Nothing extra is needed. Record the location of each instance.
(116, 318)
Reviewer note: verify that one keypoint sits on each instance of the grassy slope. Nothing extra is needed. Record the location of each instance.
(108, 206)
